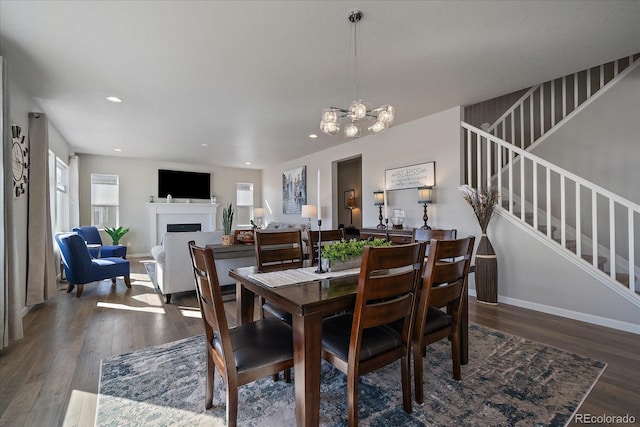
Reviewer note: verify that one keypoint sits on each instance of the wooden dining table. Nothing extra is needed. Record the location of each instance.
(308, 303)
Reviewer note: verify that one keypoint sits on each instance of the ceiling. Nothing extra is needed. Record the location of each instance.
(250, 78)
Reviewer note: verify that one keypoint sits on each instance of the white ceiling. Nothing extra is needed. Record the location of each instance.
(250, 78)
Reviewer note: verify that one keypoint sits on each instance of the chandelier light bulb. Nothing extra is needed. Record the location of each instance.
(329, 115)
(378, 126)
(351, 130)
(330, 128)
(386, 114)
(358, 110)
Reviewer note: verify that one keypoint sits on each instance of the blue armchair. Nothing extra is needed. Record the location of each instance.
(91, 235)
(81, 268)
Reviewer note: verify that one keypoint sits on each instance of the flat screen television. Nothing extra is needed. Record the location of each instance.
(184, 185)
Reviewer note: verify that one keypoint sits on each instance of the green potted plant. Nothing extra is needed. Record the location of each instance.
(227, 220)
(116, 233)
(347, 254)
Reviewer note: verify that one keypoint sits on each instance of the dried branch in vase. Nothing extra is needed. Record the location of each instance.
(482, 202)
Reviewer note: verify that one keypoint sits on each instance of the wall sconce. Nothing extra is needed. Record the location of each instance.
(378, 200)
(425, 196)
(309, 211)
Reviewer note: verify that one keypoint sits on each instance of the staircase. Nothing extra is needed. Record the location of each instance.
(594, 227)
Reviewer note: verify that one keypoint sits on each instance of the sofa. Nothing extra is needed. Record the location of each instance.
(173, 262)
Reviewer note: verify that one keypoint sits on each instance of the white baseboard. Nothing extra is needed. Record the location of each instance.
(570, 314)
(139, 255)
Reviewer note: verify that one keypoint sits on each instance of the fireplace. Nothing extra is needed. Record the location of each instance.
(182, 228)
(162, 215)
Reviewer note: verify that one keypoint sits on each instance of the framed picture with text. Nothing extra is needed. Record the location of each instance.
(414, 176)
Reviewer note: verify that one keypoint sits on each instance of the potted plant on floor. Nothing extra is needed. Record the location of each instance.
(227, 220)
(116, 233)
(483, 203)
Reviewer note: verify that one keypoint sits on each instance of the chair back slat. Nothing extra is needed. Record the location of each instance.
(389, 278)
(278, 250)
(327, 237)
(445, 282)
(210, 301)
(438, 234)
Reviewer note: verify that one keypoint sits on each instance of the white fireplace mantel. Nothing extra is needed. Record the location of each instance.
(161, 214)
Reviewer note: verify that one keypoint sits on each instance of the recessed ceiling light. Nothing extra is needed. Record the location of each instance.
(247, 163)
(205, 145)
(313, 136)
(117, 149)
(113, 99)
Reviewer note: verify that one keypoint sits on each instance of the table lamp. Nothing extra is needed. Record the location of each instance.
(425, 195)
(309, 211)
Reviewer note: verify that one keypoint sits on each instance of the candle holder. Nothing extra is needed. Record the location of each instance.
(319, 270)
(386, 228)
(378, 200)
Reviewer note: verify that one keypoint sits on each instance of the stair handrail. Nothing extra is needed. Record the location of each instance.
(550, 167)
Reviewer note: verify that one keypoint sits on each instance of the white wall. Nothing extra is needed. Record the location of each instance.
(139, 180)
(433, 138)
(602, 143)
(534, 276)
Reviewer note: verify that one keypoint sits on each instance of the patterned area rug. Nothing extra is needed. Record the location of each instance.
(509, 381)
(150, 267)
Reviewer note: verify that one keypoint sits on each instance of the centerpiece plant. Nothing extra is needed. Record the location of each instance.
(348, 250)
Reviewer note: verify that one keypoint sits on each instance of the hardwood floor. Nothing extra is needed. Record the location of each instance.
(50, 377)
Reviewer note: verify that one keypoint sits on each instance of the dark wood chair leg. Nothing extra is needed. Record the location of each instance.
(455, 355)
(70, 287)
(79, 291)
(276, 376)
(287, 375)
(208, 401)
(417, 371)
(113, 280)
(232, 405)
(406, 382)
(127, 281)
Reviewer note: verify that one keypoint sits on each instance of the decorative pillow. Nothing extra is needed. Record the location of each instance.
(272, 225)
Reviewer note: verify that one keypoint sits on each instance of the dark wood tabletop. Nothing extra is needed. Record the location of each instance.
(308, 303)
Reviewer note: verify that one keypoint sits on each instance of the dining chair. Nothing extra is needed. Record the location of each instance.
(444, 285)
(326, 237)
(360, 342)
(438, 234)
(242, 354)
(276, 251)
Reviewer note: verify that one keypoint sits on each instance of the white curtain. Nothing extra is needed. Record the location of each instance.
(41, 271)
(74, 192)
(10, 302)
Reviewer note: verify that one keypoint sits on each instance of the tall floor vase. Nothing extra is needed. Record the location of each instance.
(486, 272)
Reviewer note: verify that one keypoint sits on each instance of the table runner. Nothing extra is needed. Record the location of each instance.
(294, 276)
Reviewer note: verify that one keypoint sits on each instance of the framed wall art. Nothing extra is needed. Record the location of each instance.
(413, 176)
(294, 190)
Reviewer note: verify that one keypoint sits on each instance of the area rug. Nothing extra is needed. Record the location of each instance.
(150, 267)
(509, 381)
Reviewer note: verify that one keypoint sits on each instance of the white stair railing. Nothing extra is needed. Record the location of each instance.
(545, 105)
(599, 215)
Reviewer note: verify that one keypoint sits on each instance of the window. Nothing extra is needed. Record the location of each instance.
(59, 193)
(244, 203)
(104, 200)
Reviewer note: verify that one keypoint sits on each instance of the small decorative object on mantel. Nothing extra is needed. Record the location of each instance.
(227, 220)
(483, 202)
(213, 199)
